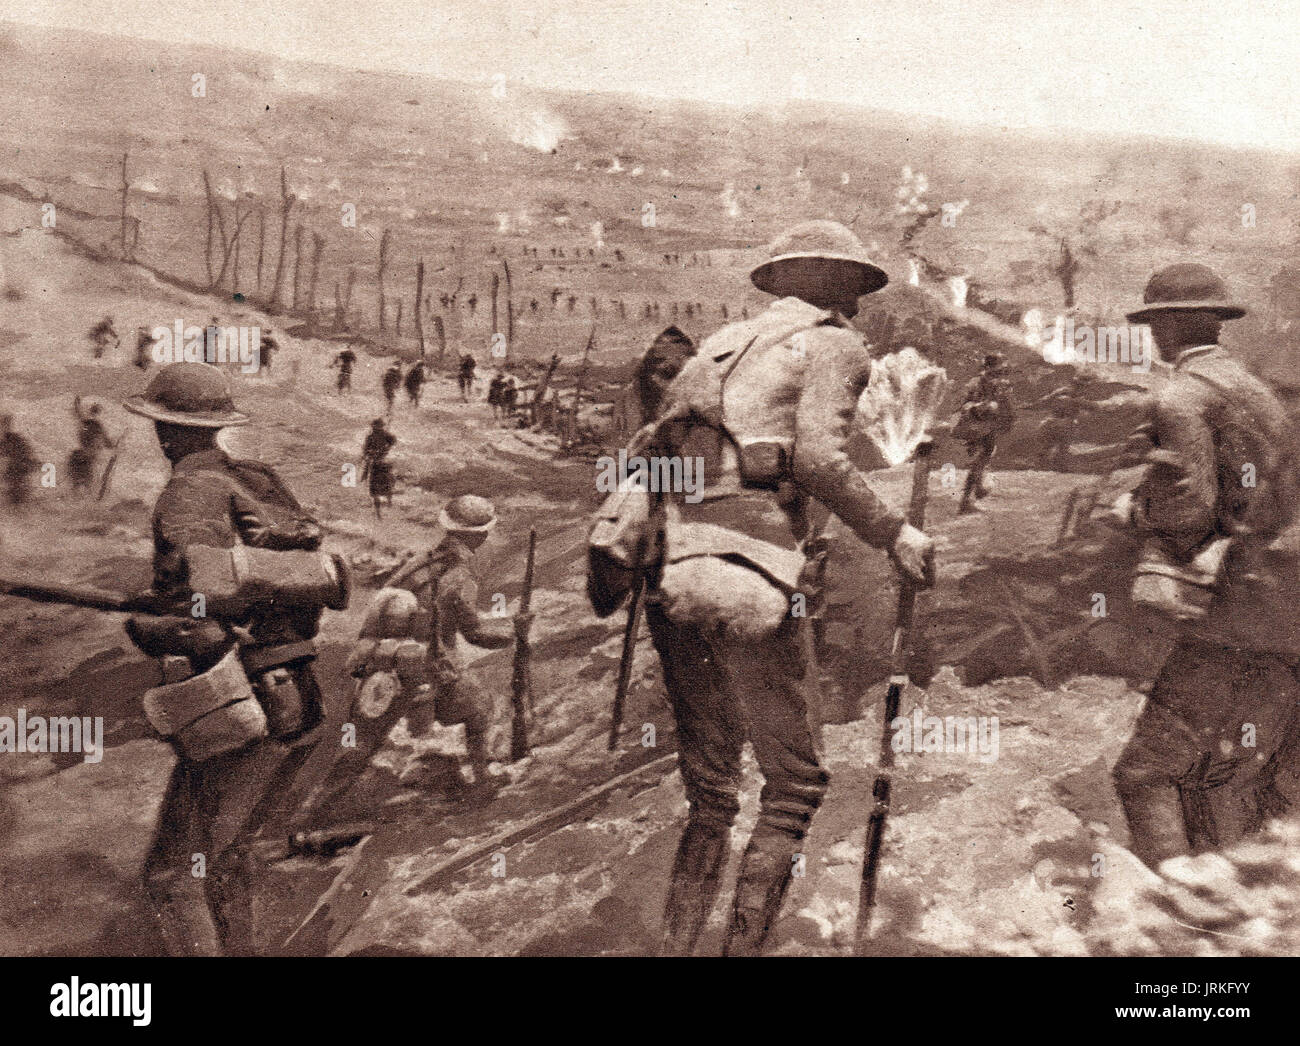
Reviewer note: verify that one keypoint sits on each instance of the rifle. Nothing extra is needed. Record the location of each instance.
(625, 662)
(108, 469)
(899, 655)
(94, 599)
(521, 676)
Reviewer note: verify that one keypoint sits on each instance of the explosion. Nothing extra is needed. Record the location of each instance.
(901, 401)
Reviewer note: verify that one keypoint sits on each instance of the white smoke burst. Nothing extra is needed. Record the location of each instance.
(538, 130)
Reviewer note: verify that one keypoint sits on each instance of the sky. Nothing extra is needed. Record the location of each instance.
(1225, 71)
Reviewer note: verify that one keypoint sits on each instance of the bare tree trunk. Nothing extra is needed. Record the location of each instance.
(286, 205)
(126, 191)
(510, 311)
(441, 331)
(317, 246)
(419, 296)
(496, 283)
(297, 267)
(383, 264)
(261, 244)
(207, 245)
(234, 270)
(399, 317)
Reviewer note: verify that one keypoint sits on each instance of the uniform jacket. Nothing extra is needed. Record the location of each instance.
(1215, 425)
(451, 566)
(787, 382)
(219, 502)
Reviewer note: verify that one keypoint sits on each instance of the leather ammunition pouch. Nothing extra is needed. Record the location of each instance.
(624, 539)
(282, 680)
(1179, 590)
(764, 463)
(209, 714)
(234, 581)
(376, 695)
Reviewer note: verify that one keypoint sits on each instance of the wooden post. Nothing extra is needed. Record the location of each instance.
(297, 266)
(261, 244)
(126, 191)
(510, 311)
(383, 264)
(419, 296)
(318, 245)
(286, 205)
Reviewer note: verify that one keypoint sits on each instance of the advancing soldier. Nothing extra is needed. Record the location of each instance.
(509, 398)
(390, 383)
(103, 337)
(1217, 501)
(414, 382)
(985, 414)
(496, 389)
(223, 790)
(19, 461)
(1057, 430)
(375, 464)
(767, 405)
(267, 349)
(91, 439)
(430, 600)
(344, 361)
(465, 376)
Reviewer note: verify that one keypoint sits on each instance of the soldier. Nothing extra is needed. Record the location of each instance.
(414, 382)
(20, 463)
(465, 376)
(143, 348)
(390, 383)
(267, 349)
(214, 806)
(91, 438)
(986, 413)
(496, 387)
(103, 337)
(1200, 767)
(375, 464)
(1057, 430)
(445, 593)
(509, 398)
(767, 406)
(344, 361)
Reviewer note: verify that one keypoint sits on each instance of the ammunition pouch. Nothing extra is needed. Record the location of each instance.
(764, 463)
(281, 678)
(624, 540)
(404, 657)
(209, 714)
(202, 641)
(235, 581)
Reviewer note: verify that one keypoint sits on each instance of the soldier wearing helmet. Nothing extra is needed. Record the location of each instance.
(766, 404)
(430, 600)
(1215, 513)
(219, 798)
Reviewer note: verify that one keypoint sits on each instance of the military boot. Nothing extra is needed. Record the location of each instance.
(693, 888)
(764, 878)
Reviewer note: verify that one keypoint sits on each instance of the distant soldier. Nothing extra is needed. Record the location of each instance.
(496, 393)
(445, 606)
(143, 348)
(19, 461)
(1218, 500)
(266, 352)
(509, 398)
(232, 767)
(390, 383)
(986, 413)
(1057, 430)
(767, 405)
(465, 375)
(375, 464)
(344, 361)
(103, 337)
(472, 302)
(91, 439)
(414, 382)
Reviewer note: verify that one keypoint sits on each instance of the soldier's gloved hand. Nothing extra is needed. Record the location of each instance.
(913, 555)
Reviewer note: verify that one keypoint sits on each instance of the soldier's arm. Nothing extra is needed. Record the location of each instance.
(837, 374)
(1179, 491)
(192, 510)
(491, 633)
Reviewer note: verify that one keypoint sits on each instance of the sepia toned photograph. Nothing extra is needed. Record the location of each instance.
(661, 479)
